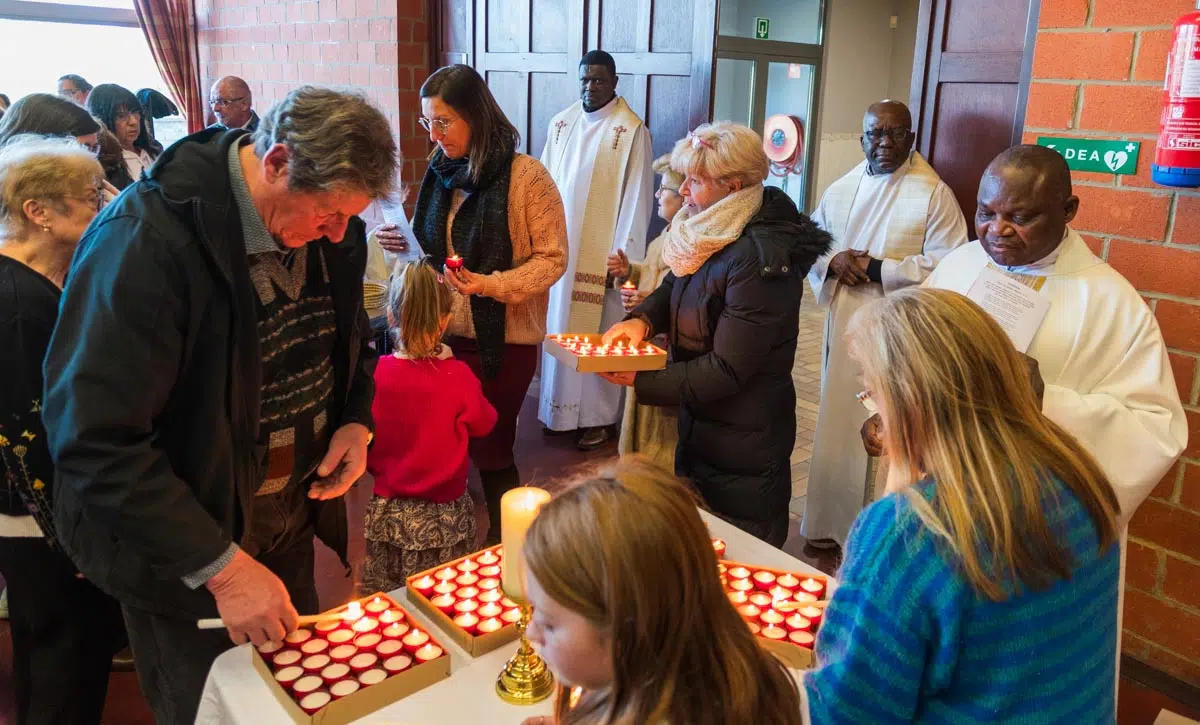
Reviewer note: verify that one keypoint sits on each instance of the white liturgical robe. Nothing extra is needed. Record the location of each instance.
(909, 220)
(571, 400)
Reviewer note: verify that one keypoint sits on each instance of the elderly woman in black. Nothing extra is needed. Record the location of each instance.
(738, 253)
(121, 113)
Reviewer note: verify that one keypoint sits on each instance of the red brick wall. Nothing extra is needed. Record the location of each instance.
(376, 47)
(1098, 72)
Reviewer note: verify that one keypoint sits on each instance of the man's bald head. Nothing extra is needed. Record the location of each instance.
(230, 99)
(1024, 205)
(887, 138)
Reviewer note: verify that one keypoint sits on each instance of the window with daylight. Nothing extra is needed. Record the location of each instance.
(97, 39)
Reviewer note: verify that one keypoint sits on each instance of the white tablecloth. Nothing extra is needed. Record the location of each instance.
(235, 694)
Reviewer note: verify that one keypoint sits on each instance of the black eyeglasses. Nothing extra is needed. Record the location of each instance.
(223, 102)
(896, 134)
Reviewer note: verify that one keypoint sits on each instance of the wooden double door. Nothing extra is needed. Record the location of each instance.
(529, 51)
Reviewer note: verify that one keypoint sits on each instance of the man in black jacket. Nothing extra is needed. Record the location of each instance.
(209, 383)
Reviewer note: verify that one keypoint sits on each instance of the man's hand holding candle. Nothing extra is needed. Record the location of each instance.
(344, 464)
(252, 601)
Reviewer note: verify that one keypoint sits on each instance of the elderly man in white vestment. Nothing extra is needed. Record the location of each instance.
(599, 153)
(892, 221)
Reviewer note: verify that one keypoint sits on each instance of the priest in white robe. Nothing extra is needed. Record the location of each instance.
(600, 156)
(892, 220)
(1099, 352)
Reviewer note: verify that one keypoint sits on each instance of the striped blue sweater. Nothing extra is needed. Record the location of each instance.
(906, 638)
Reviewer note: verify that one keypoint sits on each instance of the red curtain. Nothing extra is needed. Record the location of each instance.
(170, 29)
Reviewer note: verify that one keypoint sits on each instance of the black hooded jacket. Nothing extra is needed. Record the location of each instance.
(153, 382)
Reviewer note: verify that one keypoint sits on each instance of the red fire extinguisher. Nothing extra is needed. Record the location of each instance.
(1177, 155)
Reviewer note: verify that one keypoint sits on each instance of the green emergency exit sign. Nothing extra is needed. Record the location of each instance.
(762, 28)
(1089, 154)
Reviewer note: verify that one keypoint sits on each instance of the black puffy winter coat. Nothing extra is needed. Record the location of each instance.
(732, 328)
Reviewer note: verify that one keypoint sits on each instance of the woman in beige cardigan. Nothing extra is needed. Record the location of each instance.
(498, 215)
(650, 430)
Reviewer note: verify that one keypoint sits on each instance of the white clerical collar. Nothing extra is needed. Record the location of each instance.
(901, 170)
(1045, 265)
(603, 112)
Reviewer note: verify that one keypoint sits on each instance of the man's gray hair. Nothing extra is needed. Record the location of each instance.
(336, 141)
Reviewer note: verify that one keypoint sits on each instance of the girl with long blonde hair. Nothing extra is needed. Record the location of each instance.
(974, 589)
(630, 615)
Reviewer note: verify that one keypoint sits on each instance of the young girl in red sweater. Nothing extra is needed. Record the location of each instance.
(427, 406)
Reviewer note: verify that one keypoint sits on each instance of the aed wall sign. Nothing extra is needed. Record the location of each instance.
(1089, 154)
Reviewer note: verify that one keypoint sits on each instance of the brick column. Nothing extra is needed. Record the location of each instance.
(1098, 73)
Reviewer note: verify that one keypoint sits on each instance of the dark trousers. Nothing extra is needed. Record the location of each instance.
(173, 657)
(493, 454)
(65, 632)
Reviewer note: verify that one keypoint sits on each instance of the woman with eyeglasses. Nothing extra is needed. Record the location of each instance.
(497, 215)
(118, 109)
(64, 629)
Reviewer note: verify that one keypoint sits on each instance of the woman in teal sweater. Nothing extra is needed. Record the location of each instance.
(980, 587)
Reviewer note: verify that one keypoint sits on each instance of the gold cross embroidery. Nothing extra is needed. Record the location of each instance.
(617, 137)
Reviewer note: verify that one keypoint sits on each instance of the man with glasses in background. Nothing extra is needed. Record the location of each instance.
(230, 100)
(892, 220)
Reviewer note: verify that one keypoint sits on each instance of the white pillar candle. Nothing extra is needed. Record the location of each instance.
(518, 508)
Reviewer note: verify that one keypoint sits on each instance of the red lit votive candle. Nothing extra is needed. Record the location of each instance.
(773, 632)
(399, 663)
(363, 661)
(739, 572)
(307, 684)
(754, 628)
(336, 672)
(324, 628)
(314, 646)
(446, 574)
(771, 618)
(365, 625)
(781, 594)
(762, 599)
(489, 584)
(467, 593)
(267, 649)
(288, 675)
(511, 616)
(424, 585)
(798, 623)
(812, 614)
(467, 580)
(815, 587)
(286, 658)
(396, 631)
(368, 642)
(429, 652)
(490, 597)
(508, 603)
(788, 581)
(468, 622)
(454, 262)
(297, 638)
(315, 663)
(343, 652)
(489, 572)
(389, 647)
(741, 585)
(466, 566)
(391, 616)
(490, 625)
(804, 597)
(719, 547)
(802, 638)
(344, 688)
(372, 677)
(489, 610)
(444, 602)
(445, 588)
(340, 636)
(488, 558)
(738, 598)
(763, 580)
(466, 605)
(378, 605)
(414, 640)
(749, 611)
(314, 701)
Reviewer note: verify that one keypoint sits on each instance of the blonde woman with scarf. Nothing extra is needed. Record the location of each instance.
(738, 253)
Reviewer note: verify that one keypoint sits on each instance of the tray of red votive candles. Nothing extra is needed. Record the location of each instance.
(783, 609)
(464, 598)
(589, 354)
(363, 656)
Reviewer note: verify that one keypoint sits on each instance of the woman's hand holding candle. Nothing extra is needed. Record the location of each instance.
(465, 282)
(518, 508)
(252, 601)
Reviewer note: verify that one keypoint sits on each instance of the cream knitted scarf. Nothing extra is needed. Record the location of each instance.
(692, 239)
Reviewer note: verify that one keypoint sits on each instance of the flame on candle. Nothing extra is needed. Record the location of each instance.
(353, 611)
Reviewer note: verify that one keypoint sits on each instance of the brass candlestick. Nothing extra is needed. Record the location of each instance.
(526, 679)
